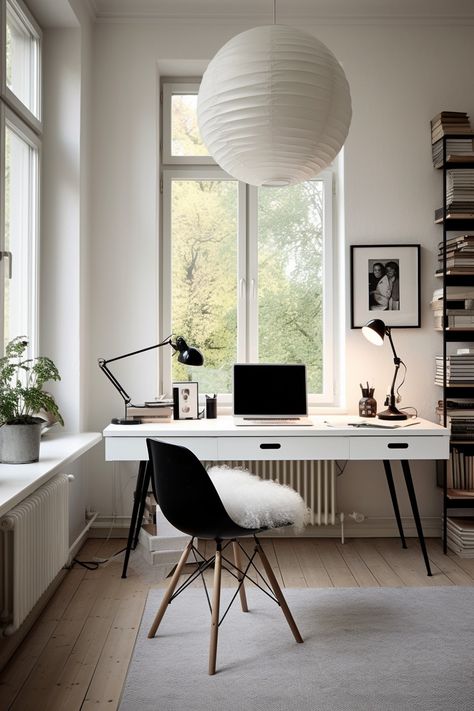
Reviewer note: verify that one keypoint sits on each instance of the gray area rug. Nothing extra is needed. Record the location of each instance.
(372, 649)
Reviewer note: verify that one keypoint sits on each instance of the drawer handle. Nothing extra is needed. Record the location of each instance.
(270, 445)
(397, 445)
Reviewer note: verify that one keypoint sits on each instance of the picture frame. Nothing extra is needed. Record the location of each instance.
(185, 400)
(385, 284)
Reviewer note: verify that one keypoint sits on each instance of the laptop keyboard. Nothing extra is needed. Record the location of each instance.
(274, 421)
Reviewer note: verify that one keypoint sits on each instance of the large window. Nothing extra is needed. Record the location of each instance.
(19, 173)
(247, 273)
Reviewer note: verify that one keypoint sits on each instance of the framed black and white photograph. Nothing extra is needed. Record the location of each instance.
(186, 400)
(385, 284)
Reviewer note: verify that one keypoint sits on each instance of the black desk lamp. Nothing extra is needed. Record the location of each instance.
(375, 332)
(186, 354)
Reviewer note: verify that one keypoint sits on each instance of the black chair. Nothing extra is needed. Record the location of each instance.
(189, 500)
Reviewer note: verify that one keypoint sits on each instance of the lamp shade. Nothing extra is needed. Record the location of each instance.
(274, 106)
(375, 331)
(187, 354)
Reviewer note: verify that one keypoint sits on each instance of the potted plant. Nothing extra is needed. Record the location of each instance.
(22, 399)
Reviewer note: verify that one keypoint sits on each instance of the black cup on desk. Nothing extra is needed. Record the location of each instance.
(211, 407)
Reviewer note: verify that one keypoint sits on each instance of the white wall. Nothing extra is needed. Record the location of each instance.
(400, 76)
(67, 55)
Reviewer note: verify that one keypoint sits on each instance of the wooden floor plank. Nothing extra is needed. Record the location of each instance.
(336, 567)
(376, 563)
(409, 565)
(449, 566)
(290, 569)
(106, 686)
(357, 566)
(315, 574)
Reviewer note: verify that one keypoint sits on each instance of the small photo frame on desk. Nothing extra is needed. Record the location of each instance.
(185, 400)
(385, 284)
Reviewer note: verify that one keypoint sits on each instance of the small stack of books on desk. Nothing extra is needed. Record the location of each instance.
(151, 412)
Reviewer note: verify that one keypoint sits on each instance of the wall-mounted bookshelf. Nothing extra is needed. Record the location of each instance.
(453, 310)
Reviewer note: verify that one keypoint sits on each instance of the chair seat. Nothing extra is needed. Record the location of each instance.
(256, 503)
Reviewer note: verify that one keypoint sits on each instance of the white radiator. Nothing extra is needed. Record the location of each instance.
(314, 481)
(34, 546)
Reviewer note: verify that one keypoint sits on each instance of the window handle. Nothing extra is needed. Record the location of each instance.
(7, 255)
(253, 289)
(242, 288)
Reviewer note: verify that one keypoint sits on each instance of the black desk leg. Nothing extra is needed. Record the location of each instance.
(416, 515)
(393, 494)
(143, 481)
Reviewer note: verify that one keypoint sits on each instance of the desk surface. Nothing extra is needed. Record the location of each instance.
(331, 437)
(224, 426)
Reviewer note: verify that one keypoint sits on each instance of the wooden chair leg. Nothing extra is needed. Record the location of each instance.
(278, 593)
(238, 563)
(216, 597)
(170, 590)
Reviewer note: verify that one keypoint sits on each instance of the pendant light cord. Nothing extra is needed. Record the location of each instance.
(274, 11)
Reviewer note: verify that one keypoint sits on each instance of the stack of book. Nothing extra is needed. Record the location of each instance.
(459, 255)
(459, 370)
(459, 196)
(459, 417)
(461, 536)
(151, 412)
(459, 308)
(457, 150)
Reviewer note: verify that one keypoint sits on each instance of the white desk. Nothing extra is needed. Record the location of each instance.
(330, 438)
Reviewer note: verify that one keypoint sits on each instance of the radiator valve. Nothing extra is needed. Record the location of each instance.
(357, 517)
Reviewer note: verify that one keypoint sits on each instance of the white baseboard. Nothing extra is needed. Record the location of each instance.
(376, 527)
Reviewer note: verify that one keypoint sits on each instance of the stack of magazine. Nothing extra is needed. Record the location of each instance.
(461, 536)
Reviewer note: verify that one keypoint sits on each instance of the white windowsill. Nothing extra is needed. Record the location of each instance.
(58, 450)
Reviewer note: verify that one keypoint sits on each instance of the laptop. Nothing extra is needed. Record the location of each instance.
(270, 394)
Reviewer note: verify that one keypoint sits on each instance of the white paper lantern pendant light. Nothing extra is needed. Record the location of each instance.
(274, 106)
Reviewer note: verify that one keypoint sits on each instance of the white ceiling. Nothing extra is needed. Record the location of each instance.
(58, 12)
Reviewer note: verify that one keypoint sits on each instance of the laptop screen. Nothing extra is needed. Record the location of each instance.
(263, 390)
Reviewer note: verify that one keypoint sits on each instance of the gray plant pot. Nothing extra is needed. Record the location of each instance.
(20, 444)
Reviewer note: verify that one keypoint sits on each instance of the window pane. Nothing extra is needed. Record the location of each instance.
(204, 277)
(290, 276)
(22, 60)
(185, 137)
(20, 190)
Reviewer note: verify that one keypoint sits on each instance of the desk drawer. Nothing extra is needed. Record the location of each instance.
(399, 447)
(133, 449)
(312, 448)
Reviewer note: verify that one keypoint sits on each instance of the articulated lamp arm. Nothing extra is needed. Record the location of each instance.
(187, 355)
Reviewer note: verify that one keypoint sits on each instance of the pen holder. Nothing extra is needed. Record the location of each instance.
(211, 407)
(367, 403)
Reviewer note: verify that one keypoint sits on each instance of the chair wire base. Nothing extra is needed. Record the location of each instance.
(239, 572)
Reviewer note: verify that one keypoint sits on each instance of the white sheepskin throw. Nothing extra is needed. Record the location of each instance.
(253, 502)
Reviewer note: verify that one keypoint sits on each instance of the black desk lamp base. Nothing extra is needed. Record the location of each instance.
(392, 413)
(124, 421)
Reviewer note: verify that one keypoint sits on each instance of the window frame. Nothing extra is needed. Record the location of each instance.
(33, 120)
(16, 116)
(205, 168)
